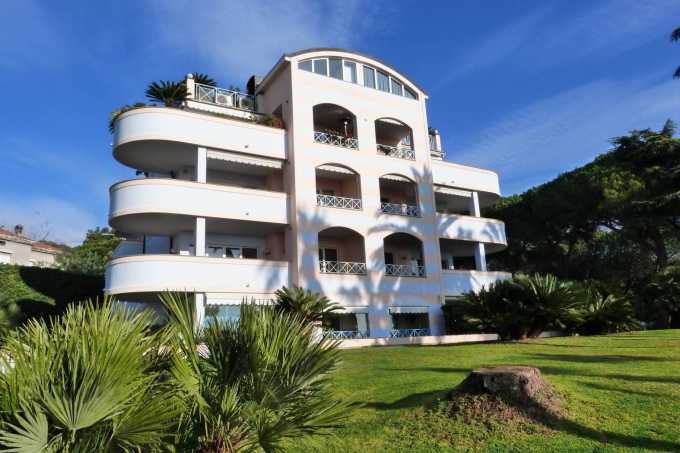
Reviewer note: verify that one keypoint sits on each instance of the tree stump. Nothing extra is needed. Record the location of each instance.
(520, 386)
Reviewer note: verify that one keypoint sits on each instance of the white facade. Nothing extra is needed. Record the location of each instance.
(352, 198)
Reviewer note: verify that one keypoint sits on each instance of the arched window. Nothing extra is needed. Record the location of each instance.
(335, 125)
(338, 186)
(398, 195)
(394, 138)
(403, 255)
(341, 251)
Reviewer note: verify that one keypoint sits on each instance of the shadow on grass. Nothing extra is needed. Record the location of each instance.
(407, 402)
(611, 388)
(623, 377)
(619, 358)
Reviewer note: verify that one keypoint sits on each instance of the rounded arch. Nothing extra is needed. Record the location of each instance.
(404, 255)
(398, 195)
(338, 168)
(341, 251)
(338, 186)
(334, 119)
(398, 177)
(392, 134)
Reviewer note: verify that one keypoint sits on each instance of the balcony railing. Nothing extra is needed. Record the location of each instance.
(402, 152)
(224, 98)
(344, 334)
(342, 267)
(400, 209)
(332, 201)
(404, 270)
(399, 333)
(337, 140)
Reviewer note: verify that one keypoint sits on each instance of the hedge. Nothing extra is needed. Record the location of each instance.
(42, 292)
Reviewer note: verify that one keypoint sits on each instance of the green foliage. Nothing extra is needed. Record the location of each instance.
(616, 219)
(91, 256)
(661, 297)
(605, 312)
(90, 380)
(522, 307)
(42, 292)
(203, 79)
(308, 305)
(167, 92)
(265, 379)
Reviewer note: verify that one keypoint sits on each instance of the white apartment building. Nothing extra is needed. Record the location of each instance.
(351, 198)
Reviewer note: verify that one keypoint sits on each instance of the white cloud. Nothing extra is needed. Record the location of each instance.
(542, 38)
(246, 37)
(47, 218)
(556, 134)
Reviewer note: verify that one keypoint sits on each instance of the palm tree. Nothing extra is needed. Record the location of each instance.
(605, 312)
(204, 79)
(675, 36)
(310, 306)
(167, 92)
(251, 384)
(90, 380)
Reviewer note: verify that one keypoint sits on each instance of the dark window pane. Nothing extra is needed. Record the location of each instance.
(321, 66)
(305, 65)
(249, 252)
(369, 77)
(409, 94)
(397, 88)
(335, 68)
(383, 82)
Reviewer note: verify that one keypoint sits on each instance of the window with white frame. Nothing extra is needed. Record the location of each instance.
(342, 69)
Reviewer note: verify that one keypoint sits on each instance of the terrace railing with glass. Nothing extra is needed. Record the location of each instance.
(224, 98)
(342, 267)
(344, 334)
(404, 270)
(328, 138)
(401, 152)
(333, 201)
(399, 333)
(400, 209)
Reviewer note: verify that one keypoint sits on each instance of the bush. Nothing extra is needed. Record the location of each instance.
(309, 306)
(605, 312)
(522, 307)
(42, 292)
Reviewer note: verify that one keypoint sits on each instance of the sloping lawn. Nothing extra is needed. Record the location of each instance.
(622, 393)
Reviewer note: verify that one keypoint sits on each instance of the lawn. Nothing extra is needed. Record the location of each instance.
(622, 393)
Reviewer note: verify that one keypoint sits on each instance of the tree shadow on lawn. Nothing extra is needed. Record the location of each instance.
(611, 388)
(408, 402)
(623, 377)
(618, 358)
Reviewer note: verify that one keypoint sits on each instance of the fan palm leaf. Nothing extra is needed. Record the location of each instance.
(167, 92)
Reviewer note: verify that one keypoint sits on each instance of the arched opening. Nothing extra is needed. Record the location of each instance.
(341, 251)
(394, 138)
(335, 125)
(338, 187)
(403, 255)
(398, 195)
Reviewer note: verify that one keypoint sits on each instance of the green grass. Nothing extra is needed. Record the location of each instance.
(622, 393)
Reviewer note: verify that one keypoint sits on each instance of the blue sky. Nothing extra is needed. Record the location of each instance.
(529, 89)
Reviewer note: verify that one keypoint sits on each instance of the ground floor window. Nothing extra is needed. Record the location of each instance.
(346, 325)
(228, 313)
(410, 324)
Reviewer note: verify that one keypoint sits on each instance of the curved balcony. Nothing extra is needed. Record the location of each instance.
(172, 196)
(162, 139)
(461, 281)
(470, 178)
(475, 229)
(154, 273)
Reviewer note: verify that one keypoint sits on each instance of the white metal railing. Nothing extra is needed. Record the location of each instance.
(402, 152)
(344, 334)
(398, 333)
(342, 267)
(336, 140)
(405, 270)
(224, 98)
(333, 201)
(400, 209)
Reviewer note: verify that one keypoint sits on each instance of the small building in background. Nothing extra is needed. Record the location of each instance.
(15, 248)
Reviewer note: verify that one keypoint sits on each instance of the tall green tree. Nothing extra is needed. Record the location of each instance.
(91, 256)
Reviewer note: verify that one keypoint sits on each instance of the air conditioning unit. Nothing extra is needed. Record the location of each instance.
(223, 98)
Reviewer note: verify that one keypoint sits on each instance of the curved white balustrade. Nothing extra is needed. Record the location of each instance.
(153, 273)
(458, 282)
(468, 178)
(145, 137)
(476, 229)
(173, 196)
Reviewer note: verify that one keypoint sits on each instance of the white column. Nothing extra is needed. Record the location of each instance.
(201, 164)
(474, 205)
(191, 86)
(480, 256)
(199, 239)
(199, 300)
